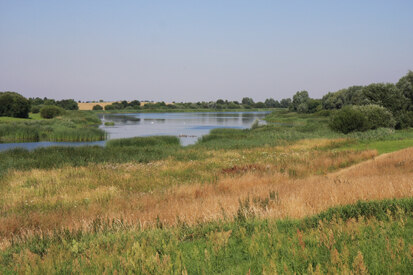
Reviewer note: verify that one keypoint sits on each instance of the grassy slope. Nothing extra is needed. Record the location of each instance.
(293, 147)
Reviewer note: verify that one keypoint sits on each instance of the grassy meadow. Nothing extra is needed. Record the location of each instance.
(288, 197)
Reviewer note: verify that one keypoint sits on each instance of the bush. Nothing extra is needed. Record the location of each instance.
(67, 104)
(361, 118)
(97, 107)
(377, 116)
(347, 120)
(14, 105)
(109, 107)
(51, 111)
(35, 109)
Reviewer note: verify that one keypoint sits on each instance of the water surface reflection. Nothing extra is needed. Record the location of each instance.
(188, 126)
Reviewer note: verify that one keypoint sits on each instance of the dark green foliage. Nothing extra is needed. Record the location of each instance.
(50, 111)
(271, 103)
(341, 98)
(35, 109)
(259, 105)
(247, 101)
(67, 104)
(361, 118)
(97, 107)
(386, 95)
(405, 84)
(14, 105)
(299, 103)
(313, 105)
(134, 103)
(109, 107)
(377, 116)
(36, 101)
(302, 103)
(285, 102)
(348, 119)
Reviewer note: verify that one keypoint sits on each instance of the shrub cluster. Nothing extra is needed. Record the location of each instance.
(361, 118)
(97, 107)
(50, 111)
(67, 104)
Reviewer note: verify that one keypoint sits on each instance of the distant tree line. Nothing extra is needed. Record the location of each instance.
(356, 108)
(66, 104)
(220, 104)
(15, 105)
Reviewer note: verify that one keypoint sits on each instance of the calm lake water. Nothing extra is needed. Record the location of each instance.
(187, 126)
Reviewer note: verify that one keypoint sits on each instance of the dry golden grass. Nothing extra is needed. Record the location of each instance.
(89, 106)
(202, 190)
(389, 176)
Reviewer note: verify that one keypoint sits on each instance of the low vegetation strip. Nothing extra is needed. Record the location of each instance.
(334, 243)
(71, 126)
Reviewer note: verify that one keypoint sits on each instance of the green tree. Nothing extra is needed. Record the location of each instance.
(270, 103)
(386, 95)
(300, 99)
(313, 105)
(247, 101)
(285, 102)
(405, 84)
(135, 103)
(259, 104)
(68, 104)
(14, 105)
(97, 107)
(341, 98)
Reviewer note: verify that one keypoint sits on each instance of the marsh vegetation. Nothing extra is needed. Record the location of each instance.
(261, 200)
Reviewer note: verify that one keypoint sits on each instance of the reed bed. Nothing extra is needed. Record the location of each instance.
(72, 126)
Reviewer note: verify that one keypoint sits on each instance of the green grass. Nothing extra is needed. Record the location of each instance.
(378, 242)
(144, 141)
(14, 119)
(383, 140)
(56, 157)
(72, 126)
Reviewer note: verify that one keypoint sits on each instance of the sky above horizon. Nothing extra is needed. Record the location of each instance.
(200, 50)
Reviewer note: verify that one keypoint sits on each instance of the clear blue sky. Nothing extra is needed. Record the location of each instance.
(200, 50)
